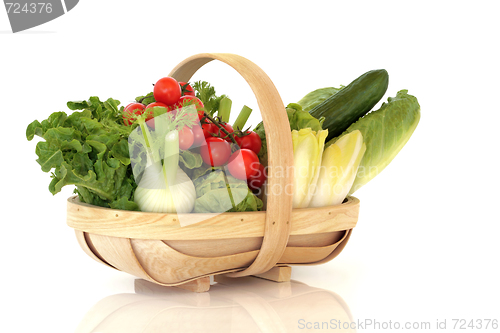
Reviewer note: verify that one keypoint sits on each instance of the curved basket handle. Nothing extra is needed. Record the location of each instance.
(279, 148)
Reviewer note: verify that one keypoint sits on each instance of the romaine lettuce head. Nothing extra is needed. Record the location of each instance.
(385, 132)
(316, 97)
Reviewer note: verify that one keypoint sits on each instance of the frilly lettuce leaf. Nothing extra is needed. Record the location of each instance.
(87, 149)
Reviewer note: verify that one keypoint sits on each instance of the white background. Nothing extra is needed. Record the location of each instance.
(426, 245)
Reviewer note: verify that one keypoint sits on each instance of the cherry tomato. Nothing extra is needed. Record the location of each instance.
(167, 90)
(199, 136)
(152, 105)
(250, 140)
(173, 108)
(215, 151)
(220, 133)
(186, 89)
(186, 138)
(191, 100)
(132, 108)
(256, 181)
(243, 164)
(208, 130)
(151, 123)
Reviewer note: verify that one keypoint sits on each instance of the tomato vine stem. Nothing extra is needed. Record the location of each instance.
(230, 135)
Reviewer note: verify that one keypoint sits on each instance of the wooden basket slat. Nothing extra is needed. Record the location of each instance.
(157, 262)
(139, 225)
(331, 256)
(309, 254)
(87, 248)
(119, 253)
(207, 248)
(162, 265)
(166, 265)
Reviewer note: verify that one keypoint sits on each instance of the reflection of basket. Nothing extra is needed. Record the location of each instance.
(234, 305)
(155, 247)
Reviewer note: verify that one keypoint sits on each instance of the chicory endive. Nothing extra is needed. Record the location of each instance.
(308, 148)
(338, 169)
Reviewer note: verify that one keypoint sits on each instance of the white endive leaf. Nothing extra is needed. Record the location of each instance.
(338, 170)
(307, 154)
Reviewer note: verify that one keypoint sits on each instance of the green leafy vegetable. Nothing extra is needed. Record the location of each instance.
(206, 93)
(107, 110)
(316, 97)
(385, 132)
(190, 160)
(146, 99)
(300, 119)
(217, 192)
(88, 149)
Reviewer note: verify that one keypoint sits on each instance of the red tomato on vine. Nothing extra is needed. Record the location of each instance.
(167, 90)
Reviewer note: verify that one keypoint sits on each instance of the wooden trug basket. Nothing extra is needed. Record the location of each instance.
(155, 247)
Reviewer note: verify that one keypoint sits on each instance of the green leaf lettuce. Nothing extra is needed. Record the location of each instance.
(87, 149)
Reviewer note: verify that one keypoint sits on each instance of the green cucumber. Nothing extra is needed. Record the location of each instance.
(352, 102)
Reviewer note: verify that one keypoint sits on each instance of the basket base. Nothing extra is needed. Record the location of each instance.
(198, 286)
(179, 256)
(276, 274)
